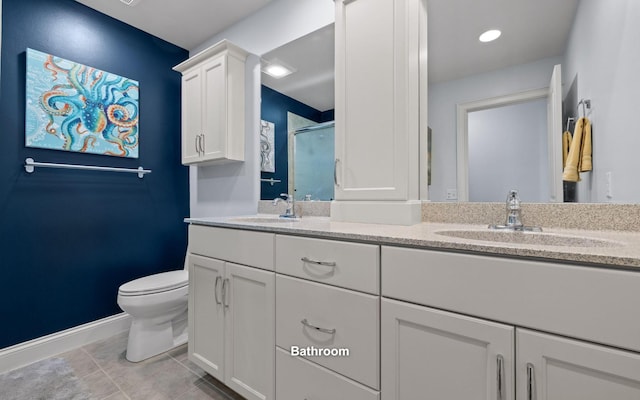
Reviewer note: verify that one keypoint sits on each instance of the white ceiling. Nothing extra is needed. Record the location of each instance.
(531, 30)
(313, 57)
(185, 23)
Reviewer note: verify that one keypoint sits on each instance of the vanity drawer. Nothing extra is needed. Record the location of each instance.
(352, 265)
(241, 247)
(297, 378)
(594, 304)
(354, 316)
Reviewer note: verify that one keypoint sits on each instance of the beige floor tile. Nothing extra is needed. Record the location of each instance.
(204, 392)
(116, 396)
(160, 377)
(81, 362)
(99, 384)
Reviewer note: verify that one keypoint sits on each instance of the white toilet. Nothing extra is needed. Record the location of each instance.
(158, 306)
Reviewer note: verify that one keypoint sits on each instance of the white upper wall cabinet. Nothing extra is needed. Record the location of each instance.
(213, 105)
(380, 57)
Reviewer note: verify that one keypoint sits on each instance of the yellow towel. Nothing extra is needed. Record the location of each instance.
(579, 157)
(566, 143)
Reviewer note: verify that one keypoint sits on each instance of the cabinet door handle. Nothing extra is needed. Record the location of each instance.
(317, 328)
(335, 172)
(197, 140)
(225, 302)
(531, 381)
(500, 376)
(215, 290)
(316, 262)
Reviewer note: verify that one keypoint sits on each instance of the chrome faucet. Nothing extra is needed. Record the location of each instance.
(514, 220)
(290, 211)
(513, 210)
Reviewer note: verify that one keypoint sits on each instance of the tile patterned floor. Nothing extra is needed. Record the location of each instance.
(100, 371)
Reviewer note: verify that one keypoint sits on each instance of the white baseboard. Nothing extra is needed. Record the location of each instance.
(38, 349)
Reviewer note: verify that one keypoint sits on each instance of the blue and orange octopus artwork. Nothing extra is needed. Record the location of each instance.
(74, 107)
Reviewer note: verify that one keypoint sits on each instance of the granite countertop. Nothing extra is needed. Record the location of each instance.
(614, 248)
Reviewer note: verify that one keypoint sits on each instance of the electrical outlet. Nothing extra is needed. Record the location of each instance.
(609, 185)
(452, 194)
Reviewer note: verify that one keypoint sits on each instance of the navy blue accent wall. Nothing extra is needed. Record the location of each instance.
(68, 239)
(274, 108)
(327, 116)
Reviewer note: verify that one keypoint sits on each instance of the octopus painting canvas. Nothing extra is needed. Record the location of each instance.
(74, 107)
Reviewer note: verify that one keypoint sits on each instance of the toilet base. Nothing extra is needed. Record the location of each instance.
(148, 338)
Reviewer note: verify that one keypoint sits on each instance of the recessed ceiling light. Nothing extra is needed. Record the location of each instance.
(490, 35)
(277, 69)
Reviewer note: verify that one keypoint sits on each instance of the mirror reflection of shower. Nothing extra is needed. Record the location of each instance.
(313, 155)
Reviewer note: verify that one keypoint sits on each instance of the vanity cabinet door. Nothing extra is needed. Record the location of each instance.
(377, 99)
(206, 314)
(191, 115)
(555, 368)
(213, 105)
(430, 354)
(249, 300)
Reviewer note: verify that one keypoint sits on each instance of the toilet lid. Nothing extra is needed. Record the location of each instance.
(162, 282)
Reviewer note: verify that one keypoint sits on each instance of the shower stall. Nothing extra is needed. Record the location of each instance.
(313, 162)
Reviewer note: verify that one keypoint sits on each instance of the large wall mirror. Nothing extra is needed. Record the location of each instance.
(593, 41)
(507, 142)
(297, 136)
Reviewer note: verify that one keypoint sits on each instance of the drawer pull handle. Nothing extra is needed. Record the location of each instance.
(215, 289)
(225, 302)
(500, 361)
(325, 263)
(531, 382)
(317, 328)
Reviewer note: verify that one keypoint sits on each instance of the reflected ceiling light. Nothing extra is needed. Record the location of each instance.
(277, 69)
(490, 35)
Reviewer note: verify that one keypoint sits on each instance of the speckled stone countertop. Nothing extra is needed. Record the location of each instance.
(599, 248)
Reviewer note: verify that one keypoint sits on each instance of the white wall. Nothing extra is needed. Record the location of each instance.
(234, 189)
(444, 97)
(604, 56)
(508, 150)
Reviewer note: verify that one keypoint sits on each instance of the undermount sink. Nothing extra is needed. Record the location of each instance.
(265, 220)
(533, 238)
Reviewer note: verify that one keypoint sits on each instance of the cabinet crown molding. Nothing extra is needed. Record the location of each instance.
(218, 48)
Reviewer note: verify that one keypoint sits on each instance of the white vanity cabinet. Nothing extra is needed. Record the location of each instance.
(551, 367)
(327, 297)
(458, 354)
(380, 101)
(213, 105)
(432, 354)
(231, 308)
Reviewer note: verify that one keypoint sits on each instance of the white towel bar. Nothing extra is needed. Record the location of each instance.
(271, 181)
(30, 165)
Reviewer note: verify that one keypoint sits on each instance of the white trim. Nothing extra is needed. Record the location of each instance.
(462, 128)
(38, 349)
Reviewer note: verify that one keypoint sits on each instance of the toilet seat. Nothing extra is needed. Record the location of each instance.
(157, 283)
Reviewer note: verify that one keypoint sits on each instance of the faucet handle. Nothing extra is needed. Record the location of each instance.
(285, 195)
